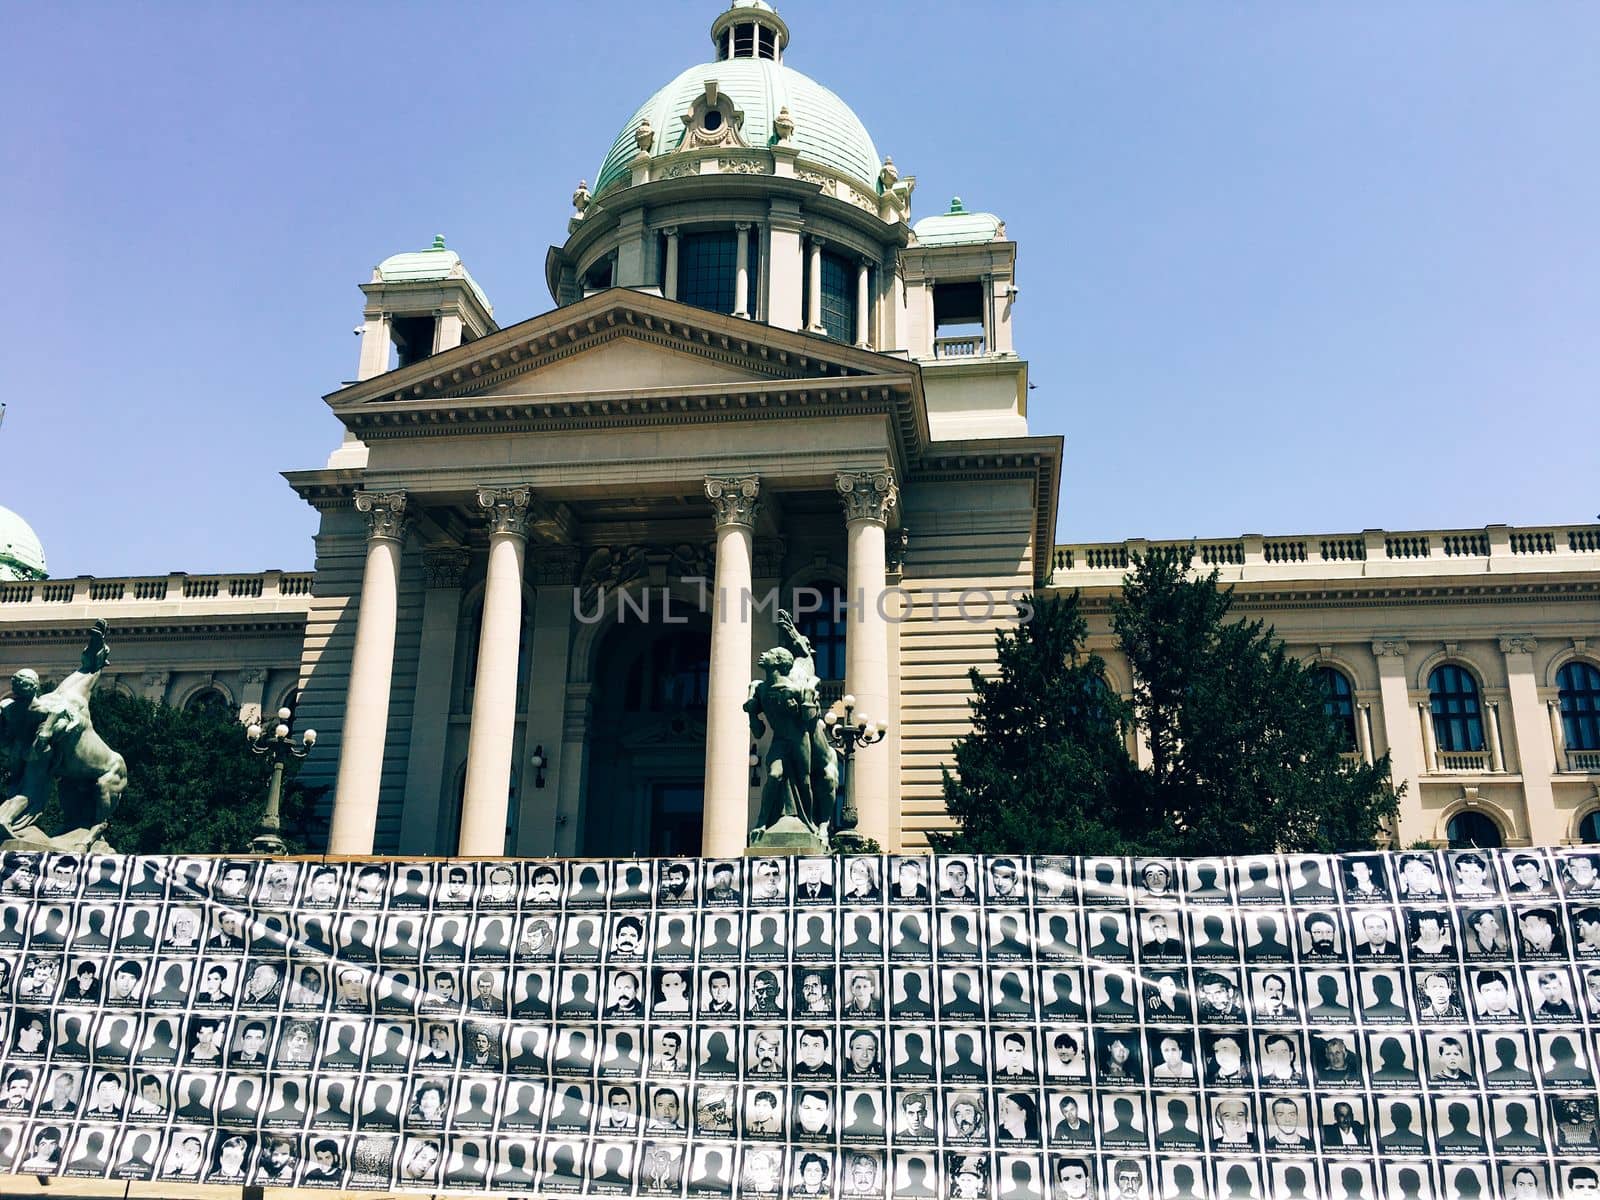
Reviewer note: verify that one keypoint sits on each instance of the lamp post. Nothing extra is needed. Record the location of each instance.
(269, 838)
(849, 730)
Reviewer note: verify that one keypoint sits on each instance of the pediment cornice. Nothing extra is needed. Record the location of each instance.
(472, 388)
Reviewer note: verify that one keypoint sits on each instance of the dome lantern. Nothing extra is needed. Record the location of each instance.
(749, 29)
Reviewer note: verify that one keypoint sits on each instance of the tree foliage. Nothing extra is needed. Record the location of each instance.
(193, 785)
(1045, 767)
(1243, 757)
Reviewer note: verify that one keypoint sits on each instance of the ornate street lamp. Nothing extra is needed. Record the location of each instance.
(269, 838)
(849, 730)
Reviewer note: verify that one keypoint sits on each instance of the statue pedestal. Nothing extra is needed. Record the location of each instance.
(787, 835)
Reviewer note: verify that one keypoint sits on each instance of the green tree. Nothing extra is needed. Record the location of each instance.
(1244, 759)
(193, 785)
(1045, 769)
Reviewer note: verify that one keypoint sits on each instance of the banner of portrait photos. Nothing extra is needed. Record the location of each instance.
(1422, 1026)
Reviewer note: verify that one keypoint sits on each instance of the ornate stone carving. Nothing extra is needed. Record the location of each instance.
(1518, 643)
(444, 566)
(508, 509)
(385, 513)
(712, 121)
(783, 126)
(580, 199)
(644, 137)
(249, 676)
(743, 166)
(828, 184)
(152, 680)
(895, 547)
(612, 567)
(1390, 648)
(690, 561)
(736, 498)
(556, 566)
(678, 171)
(768, 558)
(867, 496)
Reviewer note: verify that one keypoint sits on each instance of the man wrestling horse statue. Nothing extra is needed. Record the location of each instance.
(52, 737)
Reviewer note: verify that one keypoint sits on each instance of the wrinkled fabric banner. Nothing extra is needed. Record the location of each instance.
(1421, 1026)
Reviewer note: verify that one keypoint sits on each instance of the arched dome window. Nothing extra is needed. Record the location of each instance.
(1470, 830)
(1578, 685)
(1339, 704)
(1457, 710)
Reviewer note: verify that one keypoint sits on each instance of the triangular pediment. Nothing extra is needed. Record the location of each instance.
(623, 363)
(615, 344)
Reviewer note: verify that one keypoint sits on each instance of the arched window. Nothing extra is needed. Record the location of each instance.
(1589, 829)
(1457, 713)
(824, 628)
(1579, 685)
(209, 700)
(1470, 830)
(1339, 704)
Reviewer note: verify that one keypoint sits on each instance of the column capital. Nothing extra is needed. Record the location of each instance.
(867, 495)
(444, 566)
(1518, 643)
(385, 513)
(556, 566)
(735, 498)
(1390, 648)
(508, 509)
(743, 226)
(670, 231)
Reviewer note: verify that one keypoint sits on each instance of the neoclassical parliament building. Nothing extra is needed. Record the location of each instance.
(548, 548)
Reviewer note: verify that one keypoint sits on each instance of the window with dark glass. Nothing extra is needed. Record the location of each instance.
(1578, 684)
(598, 277)
(825, 630)
(1457, 713)
(1339, 703)
(838, 297)
(706, 265)
(1589, 829)
(1473, 831)
(210, 701)
(671, 675)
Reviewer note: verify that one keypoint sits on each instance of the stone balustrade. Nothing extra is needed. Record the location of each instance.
(1372, 553)
(106, 597)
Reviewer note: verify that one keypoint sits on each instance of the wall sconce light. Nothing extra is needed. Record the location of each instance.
(755, 766)
(537, 763)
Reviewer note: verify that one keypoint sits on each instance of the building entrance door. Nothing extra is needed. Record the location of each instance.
(677, 815)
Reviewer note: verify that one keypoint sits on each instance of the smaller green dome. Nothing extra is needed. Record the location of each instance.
(21, 551)
(425, 266)
(958, 227)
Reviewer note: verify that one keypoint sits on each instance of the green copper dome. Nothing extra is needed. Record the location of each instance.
(425, 266)
(958, 227)
(825, 130)
(21, 552)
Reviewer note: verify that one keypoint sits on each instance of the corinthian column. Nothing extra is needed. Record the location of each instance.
(366, 711)
(868, 498)
(736, 502)
(494, 693)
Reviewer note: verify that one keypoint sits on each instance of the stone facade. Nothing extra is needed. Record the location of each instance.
(529, 625)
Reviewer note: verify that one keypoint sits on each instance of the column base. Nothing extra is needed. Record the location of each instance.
(787, 835)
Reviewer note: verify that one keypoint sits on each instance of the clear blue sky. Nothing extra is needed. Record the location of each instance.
(1283, 267)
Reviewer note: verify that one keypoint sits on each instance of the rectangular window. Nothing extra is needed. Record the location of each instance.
(838, 297)
(706, 264)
